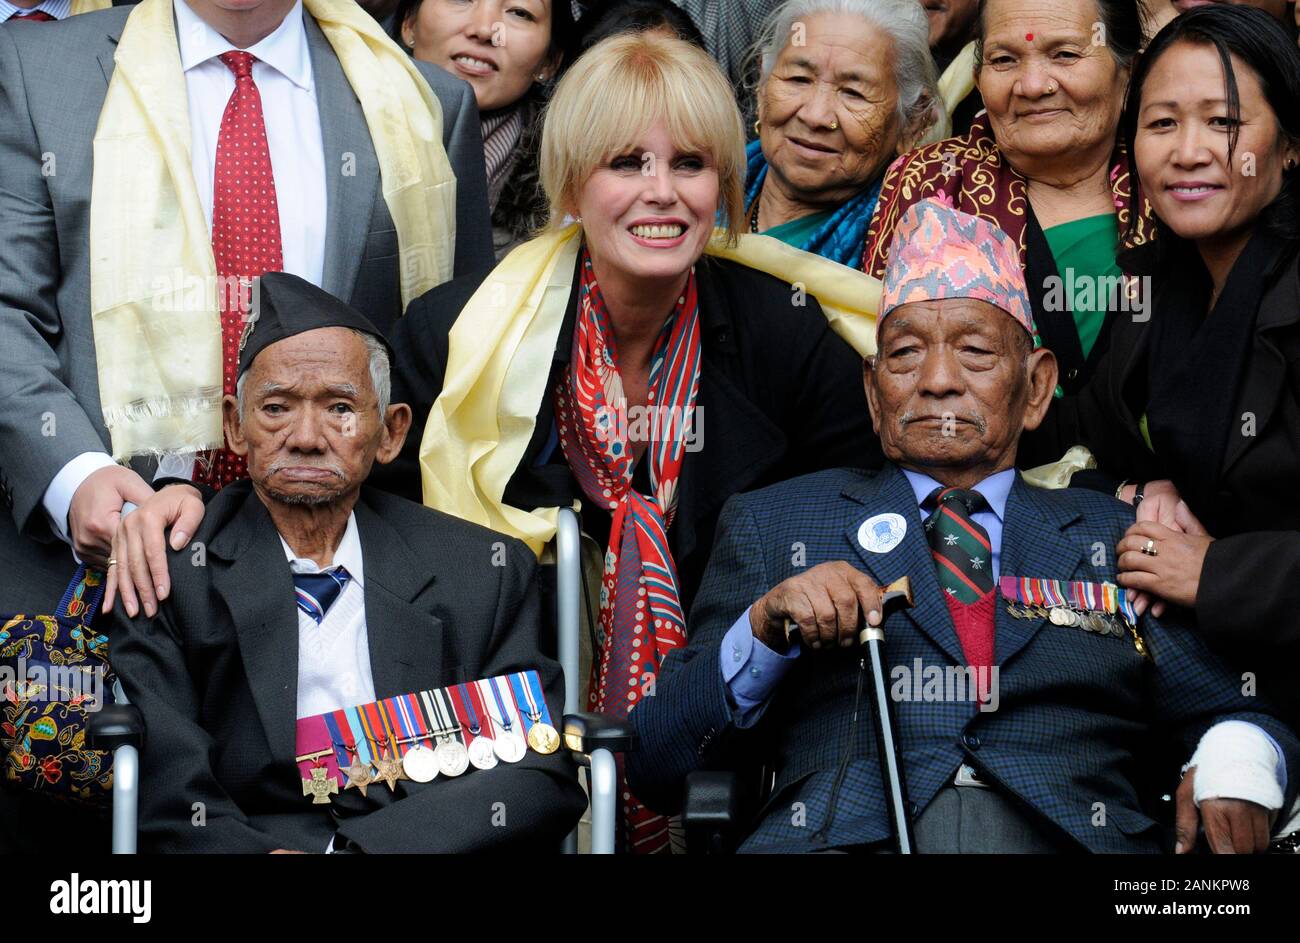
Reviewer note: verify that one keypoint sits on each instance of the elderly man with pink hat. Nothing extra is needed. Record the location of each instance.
(1027, 690)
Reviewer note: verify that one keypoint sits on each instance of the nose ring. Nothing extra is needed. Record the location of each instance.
(1052, 88)
(835, 124)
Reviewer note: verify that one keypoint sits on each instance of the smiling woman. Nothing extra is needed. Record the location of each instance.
(1045, 163)
(631, 361)
(1202, 399)
(507, 50)
(846, 86)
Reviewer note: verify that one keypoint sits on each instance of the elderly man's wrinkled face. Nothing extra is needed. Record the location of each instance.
(952, 386)
(1053, 90)
(311, 428)
(829, 110)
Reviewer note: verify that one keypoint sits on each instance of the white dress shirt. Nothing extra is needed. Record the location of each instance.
(334, 656)
(283, 76)
(284, 79)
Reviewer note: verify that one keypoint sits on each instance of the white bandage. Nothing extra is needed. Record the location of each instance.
(1237, 760)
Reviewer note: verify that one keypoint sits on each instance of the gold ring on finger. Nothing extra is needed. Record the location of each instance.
(1150, 548)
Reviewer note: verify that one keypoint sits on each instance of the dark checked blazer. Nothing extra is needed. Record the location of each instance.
(215, 675)
(1076, 708)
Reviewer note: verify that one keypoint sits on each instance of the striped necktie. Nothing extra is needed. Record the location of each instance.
(962, 553)
(316, 592)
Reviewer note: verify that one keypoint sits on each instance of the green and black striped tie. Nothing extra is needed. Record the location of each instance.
(962, 553)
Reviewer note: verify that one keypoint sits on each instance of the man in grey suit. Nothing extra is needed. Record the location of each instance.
(319, 594)
(56, 478)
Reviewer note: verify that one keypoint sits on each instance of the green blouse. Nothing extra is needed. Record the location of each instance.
(797, 232)
(1084, 250)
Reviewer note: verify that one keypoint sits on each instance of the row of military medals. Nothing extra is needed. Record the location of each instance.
(1100, 608)
(449, 756)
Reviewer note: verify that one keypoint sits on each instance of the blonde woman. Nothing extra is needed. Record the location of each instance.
(633, 361)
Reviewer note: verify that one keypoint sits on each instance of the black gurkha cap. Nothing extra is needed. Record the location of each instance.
(284, 305)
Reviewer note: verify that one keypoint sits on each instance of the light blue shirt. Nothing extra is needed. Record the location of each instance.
(59, 9)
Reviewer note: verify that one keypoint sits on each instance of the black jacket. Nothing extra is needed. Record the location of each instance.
(215, 674)
(780, 395)
(1248, 603)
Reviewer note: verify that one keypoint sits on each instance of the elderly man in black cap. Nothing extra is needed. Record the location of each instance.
(306, 594)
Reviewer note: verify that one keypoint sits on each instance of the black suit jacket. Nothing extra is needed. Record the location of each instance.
(780, 395)
(215, 675)
(1248, 602)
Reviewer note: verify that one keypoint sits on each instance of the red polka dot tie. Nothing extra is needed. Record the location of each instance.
(245, 234)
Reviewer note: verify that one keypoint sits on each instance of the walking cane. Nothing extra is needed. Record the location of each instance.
(897, 595)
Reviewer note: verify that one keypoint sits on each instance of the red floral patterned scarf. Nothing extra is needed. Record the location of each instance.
(641, 616)
(970, 173)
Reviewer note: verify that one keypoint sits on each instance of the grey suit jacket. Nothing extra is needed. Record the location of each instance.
(52, 86)
(215, 675)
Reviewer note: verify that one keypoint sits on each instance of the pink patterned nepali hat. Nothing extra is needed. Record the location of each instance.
(939, 252)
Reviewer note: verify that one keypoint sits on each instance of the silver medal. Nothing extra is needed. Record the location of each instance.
(481, 753)
(420, 764)
(451, 757)
(509, 746)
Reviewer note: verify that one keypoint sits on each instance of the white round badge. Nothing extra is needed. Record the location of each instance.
(882, 533)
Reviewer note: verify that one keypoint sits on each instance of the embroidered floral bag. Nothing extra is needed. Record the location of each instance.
(54, 674)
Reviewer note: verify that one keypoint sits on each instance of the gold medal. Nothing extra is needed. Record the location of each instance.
(390, 768)
(1139, 644)
(359, 775)
(543, 738)
(321, 786)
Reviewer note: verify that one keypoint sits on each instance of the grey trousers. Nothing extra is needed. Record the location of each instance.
(969, 820)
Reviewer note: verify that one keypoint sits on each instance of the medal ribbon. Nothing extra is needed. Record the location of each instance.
(312, 737)
(465, 713)
(479, 707)
(431, 711)
(528, 714)
(382, 723)
(341, 745)
(533, 683)
(400, 720)
(446, 716)
(504, 718)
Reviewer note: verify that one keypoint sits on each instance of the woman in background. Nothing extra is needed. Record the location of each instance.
(846, 86)
(1195, 412)
(508, 51)
(1045, 163)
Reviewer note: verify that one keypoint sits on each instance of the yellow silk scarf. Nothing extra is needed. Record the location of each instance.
(499, 359)
(153, 279)
(89, 6)
(958, 80)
